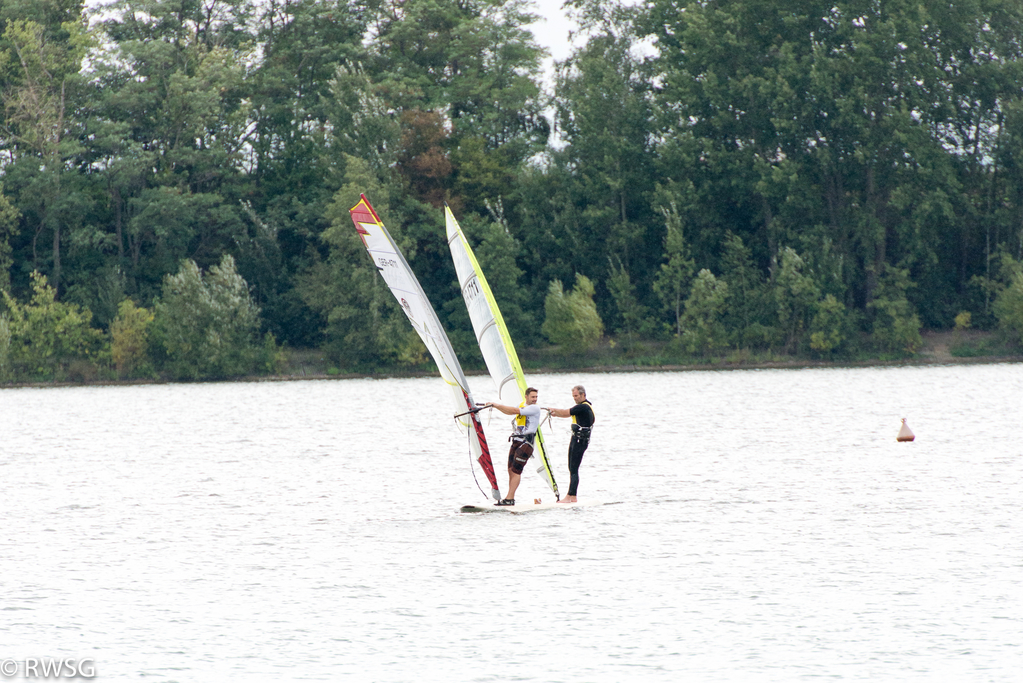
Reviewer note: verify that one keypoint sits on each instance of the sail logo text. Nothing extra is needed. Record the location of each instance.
(472, 289)
(386, 262)
(48, 667)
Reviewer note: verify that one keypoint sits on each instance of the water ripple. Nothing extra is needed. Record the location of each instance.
(767, 527)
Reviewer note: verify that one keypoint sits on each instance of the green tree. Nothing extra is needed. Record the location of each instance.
(171, 118)
(129, 339)
(728, 73)
(363, 324)
(795, 293)
(364, 124)
(40, 67)
(304, 43)
(45, 334)
(632, 313)
(5, 347)
(672, 282)
(1008, 296)
(604, 116)
(299, 133)
(461, 79)
(8, 228)
(1008, 308)
(885, 129)
(828, 326)
(571, 319)
(208, 325)
(896, 326)
(471, 61)
(751, 312)
(704, 331)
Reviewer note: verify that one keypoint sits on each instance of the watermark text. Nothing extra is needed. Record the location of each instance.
(48, 667)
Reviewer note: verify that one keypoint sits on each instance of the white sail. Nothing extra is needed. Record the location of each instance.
(492, 334)
(395, 271)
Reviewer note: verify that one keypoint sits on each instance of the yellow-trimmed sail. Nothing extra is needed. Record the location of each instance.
(492, 334)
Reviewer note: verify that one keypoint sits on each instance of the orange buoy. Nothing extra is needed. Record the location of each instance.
(905, 433)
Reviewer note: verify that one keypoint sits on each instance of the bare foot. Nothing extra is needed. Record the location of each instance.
(568, 499)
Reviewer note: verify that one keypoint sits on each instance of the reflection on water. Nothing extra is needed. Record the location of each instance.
(768, 528)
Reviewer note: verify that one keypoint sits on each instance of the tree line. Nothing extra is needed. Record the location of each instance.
(821, 179)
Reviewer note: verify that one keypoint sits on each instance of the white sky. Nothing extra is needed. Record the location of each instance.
(552, 30)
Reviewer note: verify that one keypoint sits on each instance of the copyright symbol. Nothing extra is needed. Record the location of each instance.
(8, 668)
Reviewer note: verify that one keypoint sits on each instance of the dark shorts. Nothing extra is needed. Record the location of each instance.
(518, 454)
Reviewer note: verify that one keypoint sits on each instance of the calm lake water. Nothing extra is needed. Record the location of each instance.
(767, 527)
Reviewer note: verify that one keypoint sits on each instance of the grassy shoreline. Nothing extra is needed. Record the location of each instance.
(939, 348)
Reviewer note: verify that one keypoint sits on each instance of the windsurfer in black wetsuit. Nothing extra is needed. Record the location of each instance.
(582, 424)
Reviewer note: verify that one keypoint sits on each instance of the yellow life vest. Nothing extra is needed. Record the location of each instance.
(591, 410)
(520, 420)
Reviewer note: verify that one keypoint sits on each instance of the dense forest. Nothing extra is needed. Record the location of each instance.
(821, 179)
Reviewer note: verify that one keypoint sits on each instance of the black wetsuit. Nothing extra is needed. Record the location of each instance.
(582, 424)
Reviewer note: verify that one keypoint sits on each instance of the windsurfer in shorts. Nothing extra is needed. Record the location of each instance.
(524, 426)
(582, 423)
